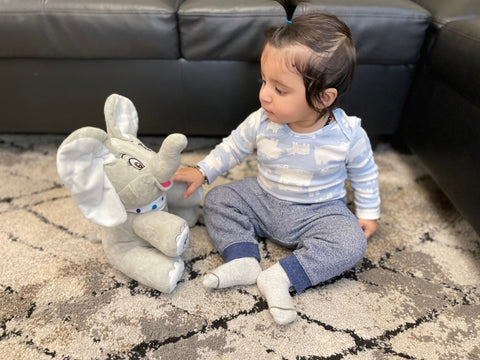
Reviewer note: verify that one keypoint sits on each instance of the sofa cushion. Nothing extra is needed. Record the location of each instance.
(385, 32)
(444, 11)
(89, 29)
(458, 47)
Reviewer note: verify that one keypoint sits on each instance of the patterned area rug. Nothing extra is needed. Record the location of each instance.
(415, 295)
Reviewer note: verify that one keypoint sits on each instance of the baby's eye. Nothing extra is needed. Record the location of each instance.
(280, 92)
(137, 164)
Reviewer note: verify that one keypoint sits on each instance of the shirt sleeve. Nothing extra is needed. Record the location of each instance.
(363, 175)
(233, 149)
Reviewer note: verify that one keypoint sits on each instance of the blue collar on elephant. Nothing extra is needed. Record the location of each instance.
(157, 204)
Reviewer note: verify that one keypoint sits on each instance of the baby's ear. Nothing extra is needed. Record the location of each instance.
(329, 96)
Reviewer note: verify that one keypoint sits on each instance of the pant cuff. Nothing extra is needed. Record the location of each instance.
(241, 250)
(297, 275)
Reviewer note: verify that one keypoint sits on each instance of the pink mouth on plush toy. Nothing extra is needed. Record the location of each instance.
(166, 184)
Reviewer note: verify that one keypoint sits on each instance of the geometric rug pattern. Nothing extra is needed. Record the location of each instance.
(415, 294)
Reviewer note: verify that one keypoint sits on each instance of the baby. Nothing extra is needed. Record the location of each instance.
(306, 149)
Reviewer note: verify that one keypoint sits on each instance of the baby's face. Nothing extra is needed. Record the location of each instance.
(282, 95)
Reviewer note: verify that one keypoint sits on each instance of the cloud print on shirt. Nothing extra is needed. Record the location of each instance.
(299, 149)
(330, 153)
(271, 145)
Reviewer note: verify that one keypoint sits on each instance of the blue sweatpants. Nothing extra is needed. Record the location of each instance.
(326, 238)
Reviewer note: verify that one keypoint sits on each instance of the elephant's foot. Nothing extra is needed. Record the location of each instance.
(176, 273)
(164, 231)
(182, 239)
(144, 263)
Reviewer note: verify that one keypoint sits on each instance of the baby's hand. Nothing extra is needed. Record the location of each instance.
(369, 226)
(192, 176)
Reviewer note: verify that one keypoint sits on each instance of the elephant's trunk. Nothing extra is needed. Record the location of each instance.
(167, 161)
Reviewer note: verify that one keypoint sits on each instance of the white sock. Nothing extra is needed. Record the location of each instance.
(241, 271)
(274, 285)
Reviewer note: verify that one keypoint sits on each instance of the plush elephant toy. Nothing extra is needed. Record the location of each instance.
(119, 183)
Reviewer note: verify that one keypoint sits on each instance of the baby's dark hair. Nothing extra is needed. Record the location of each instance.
(331, 58)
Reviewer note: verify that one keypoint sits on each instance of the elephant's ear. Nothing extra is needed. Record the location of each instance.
(121, 117)
(80, 162)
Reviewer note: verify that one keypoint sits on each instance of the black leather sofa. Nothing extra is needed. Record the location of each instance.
(441, 123)
(189, 66)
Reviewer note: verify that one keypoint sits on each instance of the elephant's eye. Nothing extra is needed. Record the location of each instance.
(137, 164)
